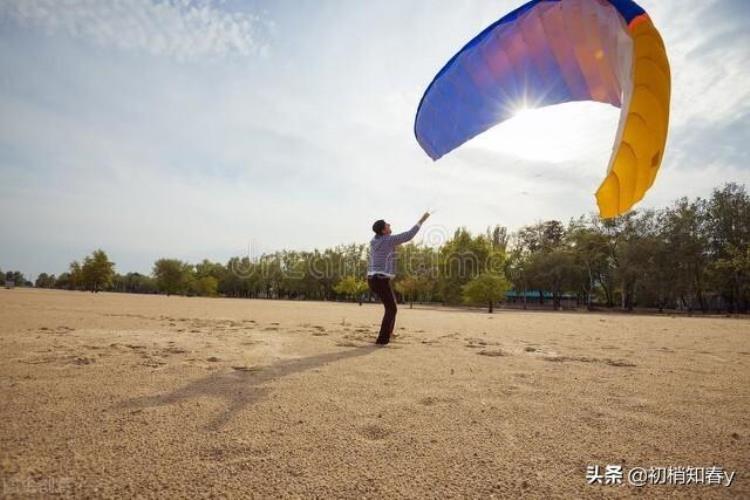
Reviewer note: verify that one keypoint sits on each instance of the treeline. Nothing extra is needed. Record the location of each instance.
(692, 255)
(15, 278)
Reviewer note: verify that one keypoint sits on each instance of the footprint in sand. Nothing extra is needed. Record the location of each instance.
(247, 368)
(152, 362)
(348, 343)
(434, 400)
(476, 343)
(319, 331)
(619, 363)
(59, 330)
(493, 353)
(374, 432)
(173, 350)
(82, 360)
(712, 356)
(586, 359)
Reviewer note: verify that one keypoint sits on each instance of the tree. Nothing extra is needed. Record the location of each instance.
(552, 271)
(728, 225)
(589, 249)
(241, 279)
(351, 287)
(207, 286)
(498, 237)
(408, 288)
(461, 259)
(691, 253)
(684, 226)
(134, 283)
(172, 276)
(487, 288)
(543, 236)
(97, 271)
(45, 280)
(534, 264)
(208, 268)
(75, 276)
(517, 270)
(206, 278)
(17, 278)
(63, 281)
(417, 273)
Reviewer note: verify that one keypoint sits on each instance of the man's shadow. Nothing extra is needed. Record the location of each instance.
(240, 387)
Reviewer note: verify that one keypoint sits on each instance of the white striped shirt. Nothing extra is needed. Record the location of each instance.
(383, 252)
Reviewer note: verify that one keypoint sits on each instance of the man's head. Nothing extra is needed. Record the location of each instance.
(381, 227)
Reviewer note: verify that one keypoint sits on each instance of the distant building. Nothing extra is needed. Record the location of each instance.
(10, 284)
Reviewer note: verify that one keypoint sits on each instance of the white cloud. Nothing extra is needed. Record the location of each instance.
(182, 29)
(707, 45)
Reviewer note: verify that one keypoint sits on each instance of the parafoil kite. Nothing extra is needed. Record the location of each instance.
(556, 51)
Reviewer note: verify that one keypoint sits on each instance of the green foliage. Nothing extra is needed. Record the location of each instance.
(75, 276)
(17, 278)
(415, 287)
(45, 280)
(486, 288)
(97, 271)
(417, 273)
(728, 224)
(206, 286)
(351, 287)
(172, 276)
(693, 254)
(134, 283)
(464, 257)
(63, 281)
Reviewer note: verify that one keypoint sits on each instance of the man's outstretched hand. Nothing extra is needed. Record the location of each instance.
(424, 217)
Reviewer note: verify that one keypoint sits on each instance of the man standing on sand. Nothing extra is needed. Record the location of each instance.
(382, 268)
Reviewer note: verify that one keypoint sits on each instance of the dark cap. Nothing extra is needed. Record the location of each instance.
(378, 226)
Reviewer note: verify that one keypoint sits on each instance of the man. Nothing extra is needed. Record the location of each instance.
(382, 268)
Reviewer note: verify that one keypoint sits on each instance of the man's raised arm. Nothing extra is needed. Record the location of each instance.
(411, 233)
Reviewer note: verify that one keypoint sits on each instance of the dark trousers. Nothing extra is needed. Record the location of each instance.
(381, 286)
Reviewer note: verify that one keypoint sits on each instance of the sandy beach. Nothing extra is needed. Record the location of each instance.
(109, 395)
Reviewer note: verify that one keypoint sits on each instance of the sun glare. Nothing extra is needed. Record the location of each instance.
(571, 131)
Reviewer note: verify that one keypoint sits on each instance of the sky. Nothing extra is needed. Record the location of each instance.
(208, 129)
